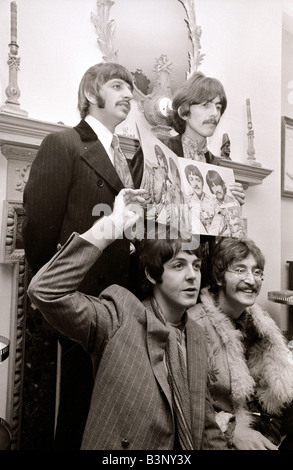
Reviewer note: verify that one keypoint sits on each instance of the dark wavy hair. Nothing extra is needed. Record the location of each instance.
(94, 78)
(160, 245)
(196, 90)
(192, 169)
(226, 252)
(214, 178)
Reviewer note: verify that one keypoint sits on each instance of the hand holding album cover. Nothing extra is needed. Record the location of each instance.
(188, 194)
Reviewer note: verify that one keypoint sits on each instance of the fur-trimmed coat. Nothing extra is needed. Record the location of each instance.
(248, 359)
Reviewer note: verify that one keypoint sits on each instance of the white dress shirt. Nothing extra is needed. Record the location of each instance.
(105, 136)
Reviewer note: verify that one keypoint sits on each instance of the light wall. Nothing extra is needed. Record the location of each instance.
(241, 41)
(287, 110)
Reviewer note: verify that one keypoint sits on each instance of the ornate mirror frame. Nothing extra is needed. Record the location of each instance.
(154, 105)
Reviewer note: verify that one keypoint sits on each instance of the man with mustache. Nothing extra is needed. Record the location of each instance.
(195, 179)
(218, 187)
(197, 108)
(73, 173)
(226, 204)
(201, 203)
(251, 369)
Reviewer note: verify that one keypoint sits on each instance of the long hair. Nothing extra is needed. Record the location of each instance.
(214, 178)
(196, 90)
(226, 252)
(94, 78)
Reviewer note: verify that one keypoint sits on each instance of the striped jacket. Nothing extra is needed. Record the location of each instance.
(131, 406)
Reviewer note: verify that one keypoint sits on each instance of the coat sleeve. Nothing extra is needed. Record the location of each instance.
(54, 291)
(45, 199)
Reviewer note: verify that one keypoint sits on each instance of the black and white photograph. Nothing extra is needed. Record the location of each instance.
(146, 220)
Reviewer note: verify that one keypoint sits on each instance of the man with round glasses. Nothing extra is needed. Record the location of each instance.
(250, 367)
(243, 273)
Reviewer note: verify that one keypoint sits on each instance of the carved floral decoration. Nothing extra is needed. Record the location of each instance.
(23, 177)
(105, 30)
(195, 57)
(153, 109)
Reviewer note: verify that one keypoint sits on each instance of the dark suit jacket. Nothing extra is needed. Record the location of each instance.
(70, 175)
(131, 405)
(175, 144)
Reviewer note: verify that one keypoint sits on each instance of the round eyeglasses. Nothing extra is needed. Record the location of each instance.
(243, 273)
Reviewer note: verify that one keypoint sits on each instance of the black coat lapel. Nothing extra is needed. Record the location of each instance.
(97, 158)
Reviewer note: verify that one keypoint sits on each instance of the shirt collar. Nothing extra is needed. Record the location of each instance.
(105, 136)
(191, 148)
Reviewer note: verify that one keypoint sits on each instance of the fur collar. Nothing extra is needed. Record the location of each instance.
(259, 360)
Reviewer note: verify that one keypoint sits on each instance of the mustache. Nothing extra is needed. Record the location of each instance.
(124, 101)
(211, 121)
(253, 288)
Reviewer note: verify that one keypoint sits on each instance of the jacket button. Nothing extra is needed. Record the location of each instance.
(101, 279)
(100, 183)
(125, 443)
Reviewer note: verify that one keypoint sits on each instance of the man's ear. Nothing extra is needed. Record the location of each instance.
(182, 113)
(91, 97)
(149, 278)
